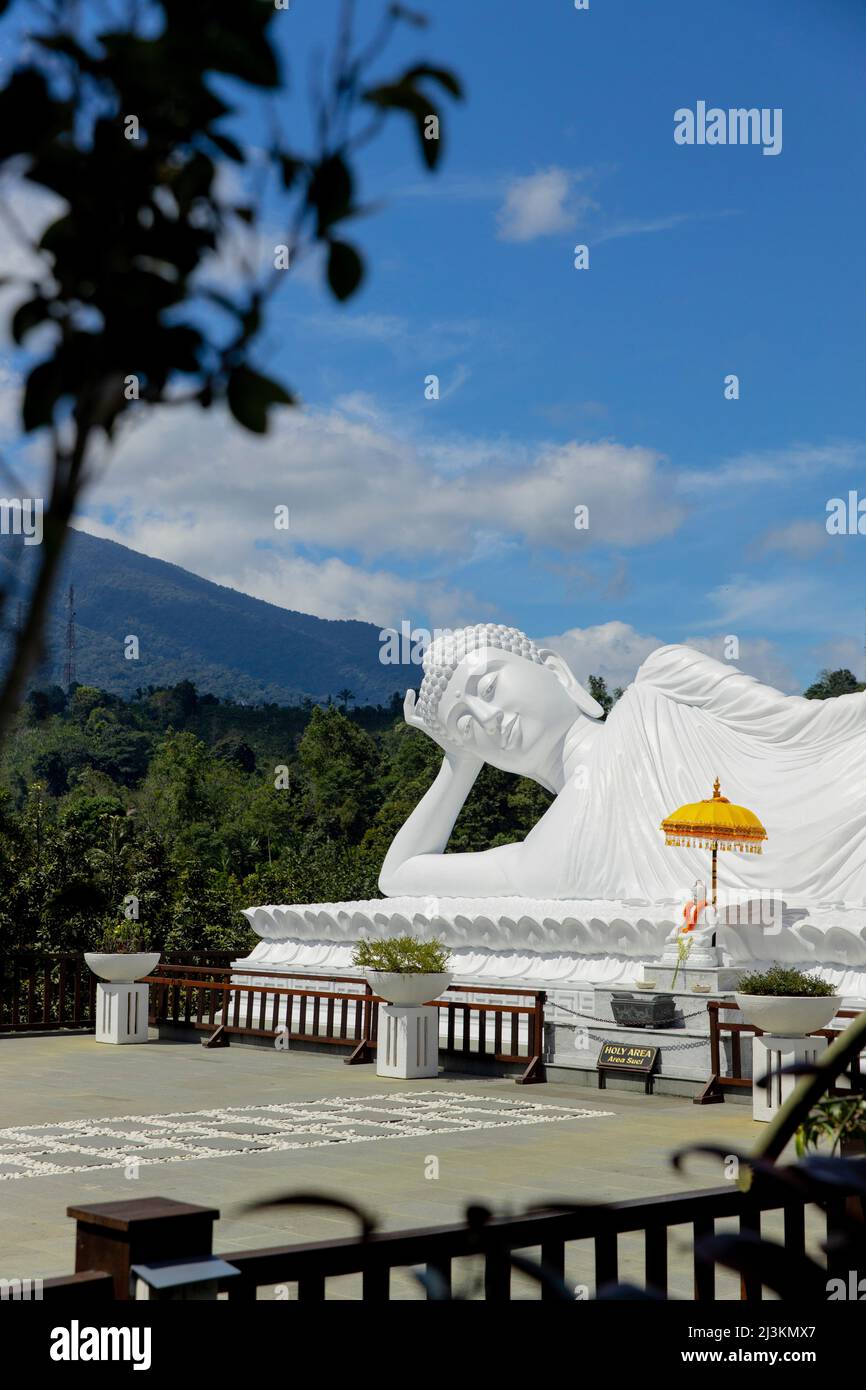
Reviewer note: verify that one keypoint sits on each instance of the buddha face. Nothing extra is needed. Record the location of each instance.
(512, 712)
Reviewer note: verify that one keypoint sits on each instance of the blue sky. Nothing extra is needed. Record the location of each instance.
(560, 387)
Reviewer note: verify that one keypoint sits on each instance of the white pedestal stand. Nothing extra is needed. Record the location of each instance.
(770, 1053)
(408, 1041)
(121, 1013)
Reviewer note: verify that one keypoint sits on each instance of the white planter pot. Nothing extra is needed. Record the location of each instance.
(790, 1016)
(397, 988)
(120, 969)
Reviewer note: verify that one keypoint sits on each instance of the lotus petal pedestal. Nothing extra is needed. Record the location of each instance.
(578, 952)
(575, 943)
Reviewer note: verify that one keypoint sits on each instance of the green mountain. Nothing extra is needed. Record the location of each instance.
(225, 642)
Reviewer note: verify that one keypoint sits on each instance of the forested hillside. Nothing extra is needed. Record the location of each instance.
(187, 628)
(198, 808)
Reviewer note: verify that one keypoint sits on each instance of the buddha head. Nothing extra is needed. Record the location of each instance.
(490, 690)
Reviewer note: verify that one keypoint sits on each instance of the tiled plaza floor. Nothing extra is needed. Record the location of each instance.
(84, 1122)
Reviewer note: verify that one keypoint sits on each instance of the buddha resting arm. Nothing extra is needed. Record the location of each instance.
(416, 864)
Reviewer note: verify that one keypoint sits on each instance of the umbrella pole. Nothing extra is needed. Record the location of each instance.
(715, 859)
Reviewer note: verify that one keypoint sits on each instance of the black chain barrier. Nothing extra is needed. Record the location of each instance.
(699, 1013)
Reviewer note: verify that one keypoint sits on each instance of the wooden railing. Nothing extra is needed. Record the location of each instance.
(692, 1215)
(181, 996)
(714, 1091)
(42, 992)
(45, 992)
(306, 1012)
(111, 1239)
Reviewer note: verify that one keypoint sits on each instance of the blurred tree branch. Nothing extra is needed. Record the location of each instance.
(121, 120)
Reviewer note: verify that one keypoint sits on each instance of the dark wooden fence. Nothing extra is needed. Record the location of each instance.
(113, 1237)
(689, 1217)
(208, 1000)
(41, 992)
(313, 1008)
(48, 992)
(714, 1091)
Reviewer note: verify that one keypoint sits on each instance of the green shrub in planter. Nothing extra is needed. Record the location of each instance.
(402, 955)
(127, 938)
(780, 980)
(841, 1119)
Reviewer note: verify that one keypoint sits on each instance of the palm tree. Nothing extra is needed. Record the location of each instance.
(344, 696)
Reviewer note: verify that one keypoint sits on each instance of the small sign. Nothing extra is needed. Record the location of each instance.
(626, 1057)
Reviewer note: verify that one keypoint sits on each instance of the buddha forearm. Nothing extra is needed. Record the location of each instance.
(429, 827)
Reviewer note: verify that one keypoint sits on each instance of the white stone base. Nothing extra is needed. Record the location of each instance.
(121, 1013)
(710, 979)
(578, 951)
(573, 943)
(408, 1044)
(770, 1054)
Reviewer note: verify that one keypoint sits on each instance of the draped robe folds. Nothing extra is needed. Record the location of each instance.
(687, 718)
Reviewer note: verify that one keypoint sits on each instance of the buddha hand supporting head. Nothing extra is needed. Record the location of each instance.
(489, 690)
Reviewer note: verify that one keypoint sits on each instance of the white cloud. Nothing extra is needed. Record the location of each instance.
(627, 492)
(791, 602)
(798, 538)
(359, 327)
(641, 226)
(455, 453)
(840, 653)
(334, 589)
(480, 188)
(10, 403)
(362, 406)
(25, 211)
(454, 381)
(545, 203)
(192, 488)
(757, 468)
(442, 338)
(542, 204)
(615, 650)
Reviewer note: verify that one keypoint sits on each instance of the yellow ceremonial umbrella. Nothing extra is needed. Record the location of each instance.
(714, 823)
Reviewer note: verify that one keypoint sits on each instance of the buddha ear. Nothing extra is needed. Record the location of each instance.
(563, 672)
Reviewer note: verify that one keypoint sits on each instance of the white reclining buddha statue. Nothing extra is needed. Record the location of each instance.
(489, 694)
(593, 890)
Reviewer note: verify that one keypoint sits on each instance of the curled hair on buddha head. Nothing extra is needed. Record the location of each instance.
(448, 649)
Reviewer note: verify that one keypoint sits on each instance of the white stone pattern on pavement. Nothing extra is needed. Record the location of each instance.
(81, 1146)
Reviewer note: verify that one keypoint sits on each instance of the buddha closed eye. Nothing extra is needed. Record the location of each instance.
(476, 710)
